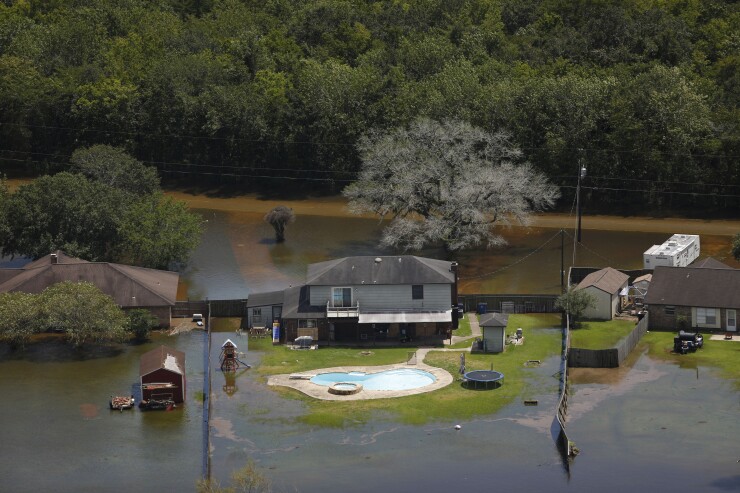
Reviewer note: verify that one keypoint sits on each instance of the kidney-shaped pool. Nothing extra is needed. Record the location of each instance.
(397, 379)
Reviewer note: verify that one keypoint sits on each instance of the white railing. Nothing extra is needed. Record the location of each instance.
(342, 311)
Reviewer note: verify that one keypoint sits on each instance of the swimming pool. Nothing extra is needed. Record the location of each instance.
(397, 379)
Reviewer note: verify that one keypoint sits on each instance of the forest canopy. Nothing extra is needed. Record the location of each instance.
(644, 93)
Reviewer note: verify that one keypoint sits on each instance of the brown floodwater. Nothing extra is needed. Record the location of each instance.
(238, 253)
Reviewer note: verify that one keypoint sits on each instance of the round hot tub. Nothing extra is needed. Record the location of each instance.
(345, 388)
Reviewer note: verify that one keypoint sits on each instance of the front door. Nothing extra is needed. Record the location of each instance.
(732, 320)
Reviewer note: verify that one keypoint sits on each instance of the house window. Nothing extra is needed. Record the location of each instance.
(257, 312)
(670, 310)
(706, 316)
(341, 297)
(417, 292)
(309, 323)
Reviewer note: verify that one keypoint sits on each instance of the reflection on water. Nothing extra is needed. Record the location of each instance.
(60, 435)
(238, 254)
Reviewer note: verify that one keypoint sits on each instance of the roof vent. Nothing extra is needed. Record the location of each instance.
(378, 260)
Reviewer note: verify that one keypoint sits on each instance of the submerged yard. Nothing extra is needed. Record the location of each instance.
(542, 340)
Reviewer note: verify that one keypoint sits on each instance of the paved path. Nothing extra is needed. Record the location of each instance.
(474, 328)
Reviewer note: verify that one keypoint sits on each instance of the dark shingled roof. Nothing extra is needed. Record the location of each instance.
(127, 285)
(264, 299)
(692, 286)
(403, 269)
(493, 320)
(162, 357)
(710, 263)
(607, 279)
(296, 304)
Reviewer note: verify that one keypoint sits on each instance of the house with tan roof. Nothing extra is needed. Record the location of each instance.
(605, 285)
(130, 287)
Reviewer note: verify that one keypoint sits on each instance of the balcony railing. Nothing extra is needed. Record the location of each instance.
(342, 311)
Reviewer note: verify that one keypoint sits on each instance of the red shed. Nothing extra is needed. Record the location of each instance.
(162, 373)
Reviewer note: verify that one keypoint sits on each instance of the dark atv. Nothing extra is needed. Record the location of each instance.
(687, 341)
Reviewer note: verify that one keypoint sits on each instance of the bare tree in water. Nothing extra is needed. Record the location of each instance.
(446, 183)
(278, 218)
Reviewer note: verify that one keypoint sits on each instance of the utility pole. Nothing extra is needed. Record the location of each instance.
(562, 262)
(581, 176)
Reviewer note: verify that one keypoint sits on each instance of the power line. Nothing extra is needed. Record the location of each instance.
(536, 250)
(337, 143)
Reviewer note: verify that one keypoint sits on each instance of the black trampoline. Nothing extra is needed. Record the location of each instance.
(483, 378)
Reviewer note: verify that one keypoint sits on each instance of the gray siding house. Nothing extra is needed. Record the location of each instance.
(705, 298)
(390, 298)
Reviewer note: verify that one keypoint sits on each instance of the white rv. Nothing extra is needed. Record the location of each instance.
(678, 251)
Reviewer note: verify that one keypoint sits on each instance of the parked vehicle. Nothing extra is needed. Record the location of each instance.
(687, 341)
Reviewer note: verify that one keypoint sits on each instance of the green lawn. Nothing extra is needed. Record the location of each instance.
(463, 328)
(600, 335)
(447, 403)
(722, 355)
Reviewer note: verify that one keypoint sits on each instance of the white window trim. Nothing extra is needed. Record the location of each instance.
(351, 296)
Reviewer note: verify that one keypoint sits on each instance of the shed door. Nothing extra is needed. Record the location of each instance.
(732, 320)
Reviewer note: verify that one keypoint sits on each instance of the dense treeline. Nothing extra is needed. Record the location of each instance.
(642, 92)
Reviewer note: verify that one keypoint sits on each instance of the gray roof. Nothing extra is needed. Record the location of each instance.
(493, 319)
(266, 299)
(692, 286)
(296, 304)
(127, 285)
(400, 269)
(710, 263)
(607, 279)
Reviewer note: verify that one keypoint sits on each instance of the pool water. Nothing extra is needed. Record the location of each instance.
(398, 379)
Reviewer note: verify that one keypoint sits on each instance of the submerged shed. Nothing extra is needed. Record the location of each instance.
(162, 373)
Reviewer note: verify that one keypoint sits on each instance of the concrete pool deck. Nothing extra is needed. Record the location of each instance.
(300, 381)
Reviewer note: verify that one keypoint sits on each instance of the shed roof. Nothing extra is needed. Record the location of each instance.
(494, 320)
(607, 279)
(162, 357)
(400, 269)
(644, 277)
(129, 286)
(692, 286)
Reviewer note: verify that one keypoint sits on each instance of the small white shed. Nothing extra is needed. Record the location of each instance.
(605, 285)
(493, 327)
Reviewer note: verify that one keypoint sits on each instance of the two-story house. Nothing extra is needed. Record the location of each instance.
(351, 299)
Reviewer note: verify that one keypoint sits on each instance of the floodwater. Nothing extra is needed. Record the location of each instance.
(650, 425)
(238, 253)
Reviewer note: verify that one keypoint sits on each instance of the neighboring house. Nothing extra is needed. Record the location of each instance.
(605, 285)
(264, 308)
(130, 287)
(162, 374)
(695, 297)
(493, 328)
(366, 299)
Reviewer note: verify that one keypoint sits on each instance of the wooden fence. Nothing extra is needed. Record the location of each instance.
(510, 303)
(611, 357)
(218, 308)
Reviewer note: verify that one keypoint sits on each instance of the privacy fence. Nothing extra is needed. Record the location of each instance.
(611, 357)
(510, 303)
(214, 308)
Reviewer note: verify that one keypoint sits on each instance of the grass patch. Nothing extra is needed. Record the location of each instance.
(199, 396)
(722, 355)
(453, 401)
(600, 335)
(463, 326)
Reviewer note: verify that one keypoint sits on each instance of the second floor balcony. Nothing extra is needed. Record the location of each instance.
(352, 311)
